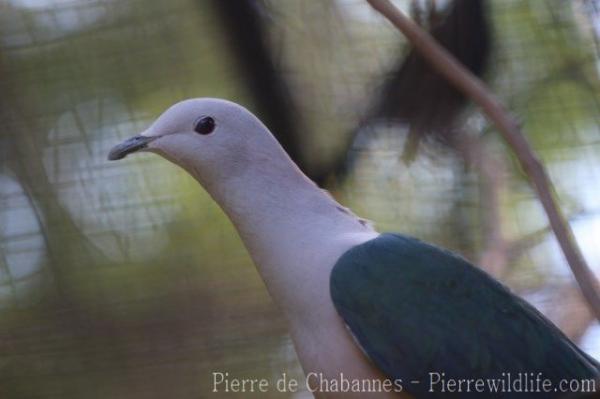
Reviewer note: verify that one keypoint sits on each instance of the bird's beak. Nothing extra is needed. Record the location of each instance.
(130, 145)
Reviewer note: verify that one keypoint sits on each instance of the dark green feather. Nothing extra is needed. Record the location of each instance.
(416, 309)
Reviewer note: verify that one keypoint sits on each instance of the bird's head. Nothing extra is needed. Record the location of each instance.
(210, 138)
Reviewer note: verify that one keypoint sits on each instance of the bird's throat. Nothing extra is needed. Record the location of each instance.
(293, 230)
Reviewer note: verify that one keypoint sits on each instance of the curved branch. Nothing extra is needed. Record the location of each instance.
(475, 89)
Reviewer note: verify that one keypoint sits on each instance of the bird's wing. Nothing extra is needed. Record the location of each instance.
(417, 309)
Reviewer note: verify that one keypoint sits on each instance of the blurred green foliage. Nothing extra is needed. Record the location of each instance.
(125, 280)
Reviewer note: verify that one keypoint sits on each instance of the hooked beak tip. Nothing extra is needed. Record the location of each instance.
(129, 146)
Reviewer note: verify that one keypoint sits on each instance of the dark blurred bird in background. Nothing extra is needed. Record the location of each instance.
(417, 95)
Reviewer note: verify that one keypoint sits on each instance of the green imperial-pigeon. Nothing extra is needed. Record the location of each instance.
(383, 315)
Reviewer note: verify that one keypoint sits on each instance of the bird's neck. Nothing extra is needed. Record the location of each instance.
(293, 230)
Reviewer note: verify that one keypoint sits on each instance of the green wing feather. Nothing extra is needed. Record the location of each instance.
(417, 309)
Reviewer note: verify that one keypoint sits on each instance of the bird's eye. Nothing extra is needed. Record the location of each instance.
(204, 125)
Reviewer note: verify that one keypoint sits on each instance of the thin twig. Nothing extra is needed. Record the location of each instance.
(475, 89)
